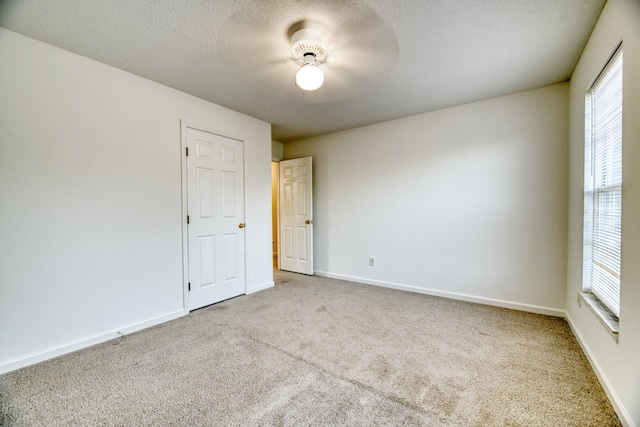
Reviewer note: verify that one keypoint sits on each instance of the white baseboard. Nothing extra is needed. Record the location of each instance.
(41, 356)
(259, 288)
(451, 295)
(33, 358)
(623, 414)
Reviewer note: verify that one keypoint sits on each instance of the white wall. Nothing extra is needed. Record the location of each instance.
(90, 199)
(277, 150)
(618, 364)
(467, 202)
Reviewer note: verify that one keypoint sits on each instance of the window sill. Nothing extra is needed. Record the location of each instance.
(606, 317)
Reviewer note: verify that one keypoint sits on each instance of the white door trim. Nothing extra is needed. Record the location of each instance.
(185, 232)
(277, 219)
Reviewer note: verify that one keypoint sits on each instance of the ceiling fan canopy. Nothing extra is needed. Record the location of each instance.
(309, 41)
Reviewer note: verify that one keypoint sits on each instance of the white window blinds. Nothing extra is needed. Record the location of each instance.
(605, 102)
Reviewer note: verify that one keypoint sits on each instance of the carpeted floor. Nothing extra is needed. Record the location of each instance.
(317, 351)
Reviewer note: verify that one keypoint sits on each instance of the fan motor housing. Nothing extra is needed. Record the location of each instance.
(308, 41)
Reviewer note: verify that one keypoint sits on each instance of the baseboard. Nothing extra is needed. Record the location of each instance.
(451, 295)
(41, 356)
(261, 287)
(623, 414)
(33, 358)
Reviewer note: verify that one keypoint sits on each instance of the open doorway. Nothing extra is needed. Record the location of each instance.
(275, 176)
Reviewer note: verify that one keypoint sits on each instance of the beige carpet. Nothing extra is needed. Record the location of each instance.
(316, 351)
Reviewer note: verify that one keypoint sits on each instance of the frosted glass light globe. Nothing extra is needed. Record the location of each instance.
(309, 77)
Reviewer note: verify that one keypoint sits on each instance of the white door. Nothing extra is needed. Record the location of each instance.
(215, 209)
(296, 216)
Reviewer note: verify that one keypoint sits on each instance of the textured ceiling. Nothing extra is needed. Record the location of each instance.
(390, 58)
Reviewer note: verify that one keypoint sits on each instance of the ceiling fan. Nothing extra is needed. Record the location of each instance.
(308, 47)
(333, 50)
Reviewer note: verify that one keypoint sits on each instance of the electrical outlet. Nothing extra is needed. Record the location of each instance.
(372, 261)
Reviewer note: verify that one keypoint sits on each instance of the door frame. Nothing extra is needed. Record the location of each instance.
(184, 124)
(277, 218)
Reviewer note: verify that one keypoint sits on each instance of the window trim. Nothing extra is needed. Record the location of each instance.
(606, 316)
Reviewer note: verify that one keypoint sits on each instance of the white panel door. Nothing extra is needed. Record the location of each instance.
(215, 209)
(296, 216)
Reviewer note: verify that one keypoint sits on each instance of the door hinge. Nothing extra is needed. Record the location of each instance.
(187, 151)
(189, 286)
(187, 219)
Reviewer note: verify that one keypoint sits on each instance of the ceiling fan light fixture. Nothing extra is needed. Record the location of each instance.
(307, 45)
(309, 77)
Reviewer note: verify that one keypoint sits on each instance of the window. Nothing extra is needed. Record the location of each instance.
(603, 189)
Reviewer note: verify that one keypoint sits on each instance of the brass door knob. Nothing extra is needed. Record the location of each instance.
(307, 221)
(241, 225)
